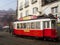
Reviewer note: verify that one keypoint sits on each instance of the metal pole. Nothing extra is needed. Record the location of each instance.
(17, 10)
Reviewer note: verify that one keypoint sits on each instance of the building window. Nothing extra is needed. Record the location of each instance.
(34, 1)
(54, 10)
(21, 6)
(44, 2)
(26, 3)
(27, 12)
(20, 15)
(35, 9)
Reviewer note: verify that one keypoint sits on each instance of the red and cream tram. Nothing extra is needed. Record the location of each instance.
(39, 27)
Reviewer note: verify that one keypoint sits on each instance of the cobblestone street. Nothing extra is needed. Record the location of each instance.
(8, 39)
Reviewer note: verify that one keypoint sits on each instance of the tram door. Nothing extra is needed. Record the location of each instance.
(46, 26)
(53, 24)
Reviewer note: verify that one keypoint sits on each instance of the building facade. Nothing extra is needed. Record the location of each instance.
(51, 6)
(33, 7)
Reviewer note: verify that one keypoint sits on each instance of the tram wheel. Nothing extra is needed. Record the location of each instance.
(56, 40)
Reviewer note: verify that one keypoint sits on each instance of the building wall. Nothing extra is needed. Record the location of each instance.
(44, 9)
(29, 8)
(48, 9)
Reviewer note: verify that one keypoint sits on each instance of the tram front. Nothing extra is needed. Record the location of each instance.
(54, 31)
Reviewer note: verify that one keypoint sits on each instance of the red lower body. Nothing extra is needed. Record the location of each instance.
(51, 33)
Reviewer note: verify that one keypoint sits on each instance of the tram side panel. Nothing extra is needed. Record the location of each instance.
(50, 33)
(35, 31)
(50, 30)
(31, 32)
(46, 30)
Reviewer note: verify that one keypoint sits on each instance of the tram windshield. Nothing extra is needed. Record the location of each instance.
(53, 23)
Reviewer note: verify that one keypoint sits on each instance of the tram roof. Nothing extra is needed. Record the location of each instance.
(44, 16)
(41, 17)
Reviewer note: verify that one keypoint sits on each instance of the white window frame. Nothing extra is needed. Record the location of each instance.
(35, 9)
(33, 1)
(26, 3)
(27, 12)
(54, 10)
(21, 5)
(46, 24)
(39, 26)
(21, 15)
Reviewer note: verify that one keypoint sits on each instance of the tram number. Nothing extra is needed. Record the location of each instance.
(26, 30)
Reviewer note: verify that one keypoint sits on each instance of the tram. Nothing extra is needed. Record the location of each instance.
(42, 26)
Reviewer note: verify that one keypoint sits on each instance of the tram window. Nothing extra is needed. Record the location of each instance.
(17, 25)
(46, 24)
(53, 23)
(24, 25)
(32, 25)
(37, 25)
(28, 25)
(21, 25)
